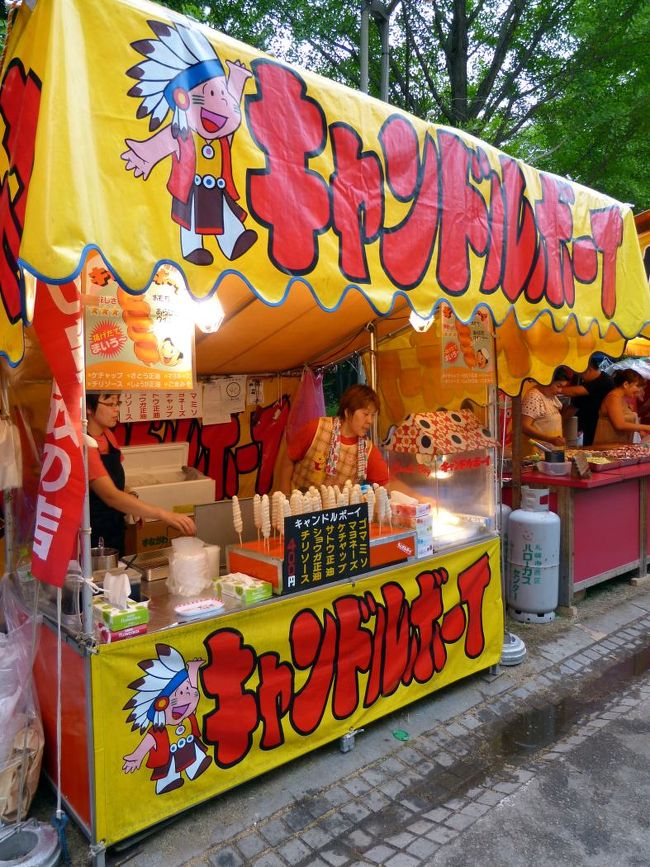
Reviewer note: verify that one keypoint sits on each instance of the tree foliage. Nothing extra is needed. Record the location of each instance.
(563, 84)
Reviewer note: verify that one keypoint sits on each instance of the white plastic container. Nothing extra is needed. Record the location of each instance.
(186, 544)
(533, 560)
(155, 474)
(189, 571)
(563, 468)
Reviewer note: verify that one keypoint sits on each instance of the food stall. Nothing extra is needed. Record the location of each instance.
(329, 235)
(616, 486)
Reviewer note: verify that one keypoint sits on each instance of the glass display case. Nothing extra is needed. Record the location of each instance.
(450, 499)
(438, 423)
(443, 477)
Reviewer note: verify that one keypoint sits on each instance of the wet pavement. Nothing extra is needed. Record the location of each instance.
(546, 763)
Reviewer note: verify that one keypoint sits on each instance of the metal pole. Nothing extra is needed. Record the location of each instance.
(372, 367)
(7, 493)
(363, 48)
(516, 451)
(84, 530)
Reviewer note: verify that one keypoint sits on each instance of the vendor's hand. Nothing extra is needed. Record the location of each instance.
(180, 522)
(556, 441)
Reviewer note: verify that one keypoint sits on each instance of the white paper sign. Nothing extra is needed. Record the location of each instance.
(222, 397)
(255, 392)
(160, 405)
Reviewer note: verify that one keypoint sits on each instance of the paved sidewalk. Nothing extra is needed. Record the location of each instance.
(396, 803)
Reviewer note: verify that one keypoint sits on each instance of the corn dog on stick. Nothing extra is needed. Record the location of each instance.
(266, 519)
(236, 518)
(286, 512)
(276, 507)
(296, 502)
(257, 514)
(370, 499)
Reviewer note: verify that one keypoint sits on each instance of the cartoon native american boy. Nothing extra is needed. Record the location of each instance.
(183, 74)
(164, 704)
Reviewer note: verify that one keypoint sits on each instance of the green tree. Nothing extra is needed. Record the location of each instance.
(562, 84)
(597, 129)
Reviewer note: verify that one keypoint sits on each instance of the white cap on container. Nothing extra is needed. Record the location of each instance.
(534, 499)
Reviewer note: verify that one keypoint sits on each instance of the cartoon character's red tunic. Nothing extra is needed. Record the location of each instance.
(181, 748)
(190, 191)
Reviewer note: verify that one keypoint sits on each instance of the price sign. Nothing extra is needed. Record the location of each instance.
(322, 547)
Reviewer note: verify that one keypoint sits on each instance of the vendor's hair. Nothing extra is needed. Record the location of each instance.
(561, 374)
(93, 399)
(357, 397)
(627, 375)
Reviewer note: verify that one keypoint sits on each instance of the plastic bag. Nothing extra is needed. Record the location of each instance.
(11, 461)
(188, 572)
(308, 402)
(21, 730)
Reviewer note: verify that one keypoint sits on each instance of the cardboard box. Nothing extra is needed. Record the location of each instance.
(422, 524)
(244, 588)
(411, 510)
(148, 536)
(117, 619)
(105, 636)
(155, 473)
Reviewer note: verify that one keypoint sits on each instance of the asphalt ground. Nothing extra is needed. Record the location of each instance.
(474, 750)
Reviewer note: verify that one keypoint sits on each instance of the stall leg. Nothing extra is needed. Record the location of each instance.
(347, 741)
(642, 577)
(97, 855)
(565, 511)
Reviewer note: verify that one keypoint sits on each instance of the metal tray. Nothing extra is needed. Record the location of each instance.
(612, 465)
(154, 565)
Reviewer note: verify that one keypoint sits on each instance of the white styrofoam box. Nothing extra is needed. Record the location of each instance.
(154, 473)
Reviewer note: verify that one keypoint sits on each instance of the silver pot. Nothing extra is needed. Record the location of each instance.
(104, 559)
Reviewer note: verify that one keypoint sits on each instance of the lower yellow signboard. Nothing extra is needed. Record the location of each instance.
(185, 714)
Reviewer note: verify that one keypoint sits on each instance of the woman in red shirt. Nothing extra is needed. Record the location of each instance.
(109, 501)
(329, 451)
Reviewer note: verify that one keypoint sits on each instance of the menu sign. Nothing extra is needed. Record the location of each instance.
(467, 350)
(160, 405)
(136, 342)
(326, 546)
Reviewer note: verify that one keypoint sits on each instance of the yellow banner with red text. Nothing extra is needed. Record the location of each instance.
(184, 715)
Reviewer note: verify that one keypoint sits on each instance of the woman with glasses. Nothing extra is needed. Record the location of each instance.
(109, 501)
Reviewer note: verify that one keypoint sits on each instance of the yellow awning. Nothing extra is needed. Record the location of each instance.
(130, 130)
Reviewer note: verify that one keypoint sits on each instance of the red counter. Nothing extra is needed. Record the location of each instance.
(605, 530)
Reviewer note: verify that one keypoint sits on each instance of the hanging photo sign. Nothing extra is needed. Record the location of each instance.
(467, 350)
(326, 546)
(135, 342)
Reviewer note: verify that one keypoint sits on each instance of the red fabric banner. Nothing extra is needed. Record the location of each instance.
(62, 486)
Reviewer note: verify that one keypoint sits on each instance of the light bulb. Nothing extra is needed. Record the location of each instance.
(420, 323)
(209, 315)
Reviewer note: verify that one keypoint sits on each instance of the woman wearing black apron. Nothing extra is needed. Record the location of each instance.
(109, 501)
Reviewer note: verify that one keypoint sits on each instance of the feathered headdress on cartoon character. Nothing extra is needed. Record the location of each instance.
(177, 61)
(162, 677)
